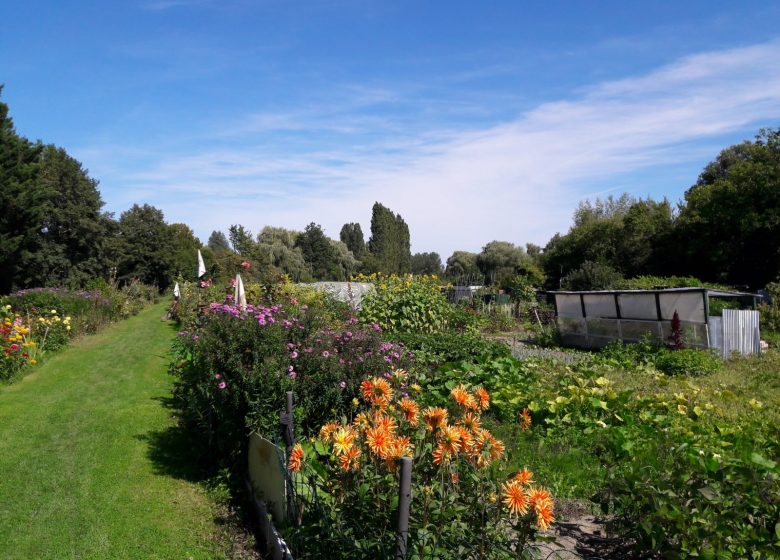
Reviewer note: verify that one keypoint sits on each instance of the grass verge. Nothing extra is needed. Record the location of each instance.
(86, 470)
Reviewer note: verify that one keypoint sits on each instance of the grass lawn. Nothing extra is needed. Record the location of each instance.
(81, 471)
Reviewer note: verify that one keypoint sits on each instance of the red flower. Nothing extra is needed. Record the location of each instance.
(245, 264)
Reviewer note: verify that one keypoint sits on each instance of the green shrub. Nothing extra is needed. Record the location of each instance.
(499, 319)
(687, 361)
(465, 318)
(717, 305)
(683, 496)
(591, 276)
(770, 312)
(627, 356)
(434, 349)
(511, 383)
(663, 282)
(405, 303)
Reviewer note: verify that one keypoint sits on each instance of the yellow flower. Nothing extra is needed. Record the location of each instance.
(343, 439)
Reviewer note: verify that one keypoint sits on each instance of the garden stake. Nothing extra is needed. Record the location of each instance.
(287, 434)
(404, 501)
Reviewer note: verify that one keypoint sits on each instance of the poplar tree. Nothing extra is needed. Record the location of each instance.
(352, 236)
(389, 244)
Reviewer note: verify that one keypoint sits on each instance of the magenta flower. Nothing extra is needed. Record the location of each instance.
(326, 354)
(294, 355)
(245, 264)
(343, 384)
(218, 376)
(222, 385)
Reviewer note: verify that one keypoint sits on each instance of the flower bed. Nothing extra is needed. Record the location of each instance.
(235, 365)
(38, 321)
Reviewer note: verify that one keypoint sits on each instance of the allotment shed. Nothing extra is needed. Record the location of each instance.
(594, 319)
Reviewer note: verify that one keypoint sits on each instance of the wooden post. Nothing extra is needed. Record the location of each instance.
(404, 501)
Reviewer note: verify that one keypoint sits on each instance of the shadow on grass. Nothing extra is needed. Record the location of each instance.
(177, 454)
(174, 452)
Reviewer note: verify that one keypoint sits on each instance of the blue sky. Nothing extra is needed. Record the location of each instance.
(473, 120)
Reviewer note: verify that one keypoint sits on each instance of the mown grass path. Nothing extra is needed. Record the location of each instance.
(78, 474)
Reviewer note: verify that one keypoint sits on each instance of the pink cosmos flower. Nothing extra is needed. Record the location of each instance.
(325, 354)
(343, 384)
(222, 385)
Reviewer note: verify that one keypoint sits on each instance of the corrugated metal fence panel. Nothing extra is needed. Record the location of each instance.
(740, 332)
(716, 333)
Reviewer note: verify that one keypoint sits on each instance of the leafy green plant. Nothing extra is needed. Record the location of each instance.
(511, 382)
(661, 282)
(717, 305)
(405, 303)
(687, 361)
(434, 349)
(466, 318)
(681, 496)
(770, 312)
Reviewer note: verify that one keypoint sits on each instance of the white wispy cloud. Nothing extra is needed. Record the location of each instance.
(459, 188)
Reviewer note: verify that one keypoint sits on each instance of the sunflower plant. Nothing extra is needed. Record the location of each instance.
(347, 480)
(405, 303)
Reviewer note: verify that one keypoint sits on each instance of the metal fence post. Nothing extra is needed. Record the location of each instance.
(404, 501)
(288, 435)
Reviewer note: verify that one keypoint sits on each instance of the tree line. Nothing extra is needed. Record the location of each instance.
(54, 232)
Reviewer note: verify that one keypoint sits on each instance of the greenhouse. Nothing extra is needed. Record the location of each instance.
(594, 319)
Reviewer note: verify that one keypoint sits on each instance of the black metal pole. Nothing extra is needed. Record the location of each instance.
(288, 435)
(404, 501)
